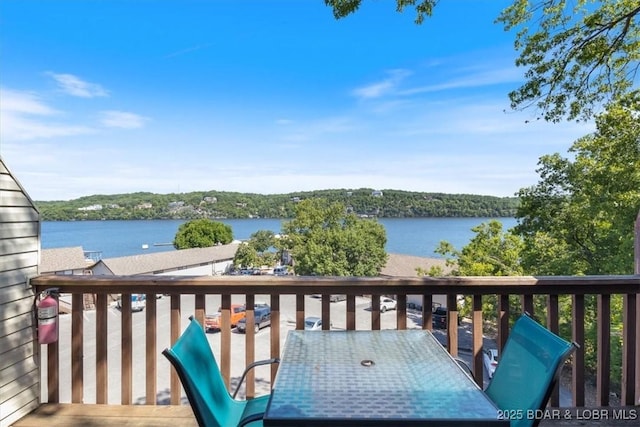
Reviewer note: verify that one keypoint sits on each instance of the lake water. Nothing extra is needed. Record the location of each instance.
(410, 236)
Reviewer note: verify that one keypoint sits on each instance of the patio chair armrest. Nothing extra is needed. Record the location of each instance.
(250, 367)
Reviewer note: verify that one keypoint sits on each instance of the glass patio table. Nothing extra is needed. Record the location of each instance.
(374, 378)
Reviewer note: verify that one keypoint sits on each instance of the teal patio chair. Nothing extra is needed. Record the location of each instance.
(210, 400)
(529, 368)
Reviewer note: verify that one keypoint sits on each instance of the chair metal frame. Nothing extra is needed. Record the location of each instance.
(195, 338)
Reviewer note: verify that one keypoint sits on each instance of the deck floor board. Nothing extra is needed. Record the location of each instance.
(93, 415)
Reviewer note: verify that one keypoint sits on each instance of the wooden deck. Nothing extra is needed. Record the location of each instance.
(79, 415)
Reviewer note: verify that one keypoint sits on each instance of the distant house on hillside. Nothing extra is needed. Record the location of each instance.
(91, 208)
(376, 193)
(211, 261)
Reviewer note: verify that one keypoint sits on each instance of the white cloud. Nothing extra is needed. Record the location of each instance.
(74, 86)
(384, 87)
(25, 116)
(23, 103)
(474, 78)
(122, 119)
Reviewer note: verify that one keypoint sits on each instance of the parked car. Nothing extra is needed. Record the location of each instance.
(312, 323)
(282, 270)
(262, 316)
(138, 302)
(490, 359)
(387, 303)
(332, 298)
(439, 318)
(212, 321)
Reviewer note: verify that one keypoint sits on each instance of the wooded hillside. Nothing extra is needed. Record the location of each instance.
(220, 204)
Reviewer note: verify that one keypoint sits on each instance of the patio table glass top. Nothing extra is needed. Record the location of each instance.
(387, 377)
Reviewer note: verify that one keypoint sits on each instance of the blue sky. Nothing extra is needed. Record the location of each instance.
(107, 97)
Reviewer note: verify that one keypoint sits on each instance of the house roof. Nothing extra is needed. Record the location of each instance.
(170, 260)
(399, 265)
(72, 258)
(62, 259)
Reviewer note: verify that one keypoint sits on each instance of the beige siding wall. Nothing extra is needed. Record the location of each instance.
(19, 257)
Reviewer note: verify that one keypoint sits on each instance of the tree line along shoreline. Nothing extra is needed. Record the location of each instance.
(364, 202)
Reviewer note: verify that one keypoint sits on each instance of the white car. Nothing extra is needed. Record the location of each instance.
(387, 304)
(312, 323)
(490, 360)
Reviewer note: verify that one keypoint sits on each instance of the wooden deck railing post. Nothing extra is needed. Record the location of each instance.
(578, 357)
(375, 312)
(636, 237)
(427, 312)
(102, 373)
(126, 327)
(629, 356)
(250, 346)
(503, 321)
(325, 308)
(477, 362)
(151, 365)
(174, 332)
(275, 334)
(553, 323)
(604, 350)
(225, 339)
(401, 312)
(77, 347)
(351, 313)
(299, 311)
(452, 324)
(53, 373)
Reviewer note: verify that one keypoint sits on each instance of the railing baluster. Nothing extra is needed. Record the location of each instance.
(630, 336)
(225, 339)
(299, 311)
(375, 312)
(452, 324)
(326, 312)
(553, 324)
(250, 346)
(53, 373)
(126, 372)
(478, 370)
(274, 331)
(578, 356)
(200, 308)
(351, 312)
(150, 351)
(77, 349)
(527, 304)
(503, 321)
(101, 348)
(176, 329)
(604, 350)
(427, 312)
(401, 315)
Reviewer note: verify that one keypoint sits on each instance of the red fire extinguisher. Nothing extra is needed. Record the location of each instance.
(47, 313)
